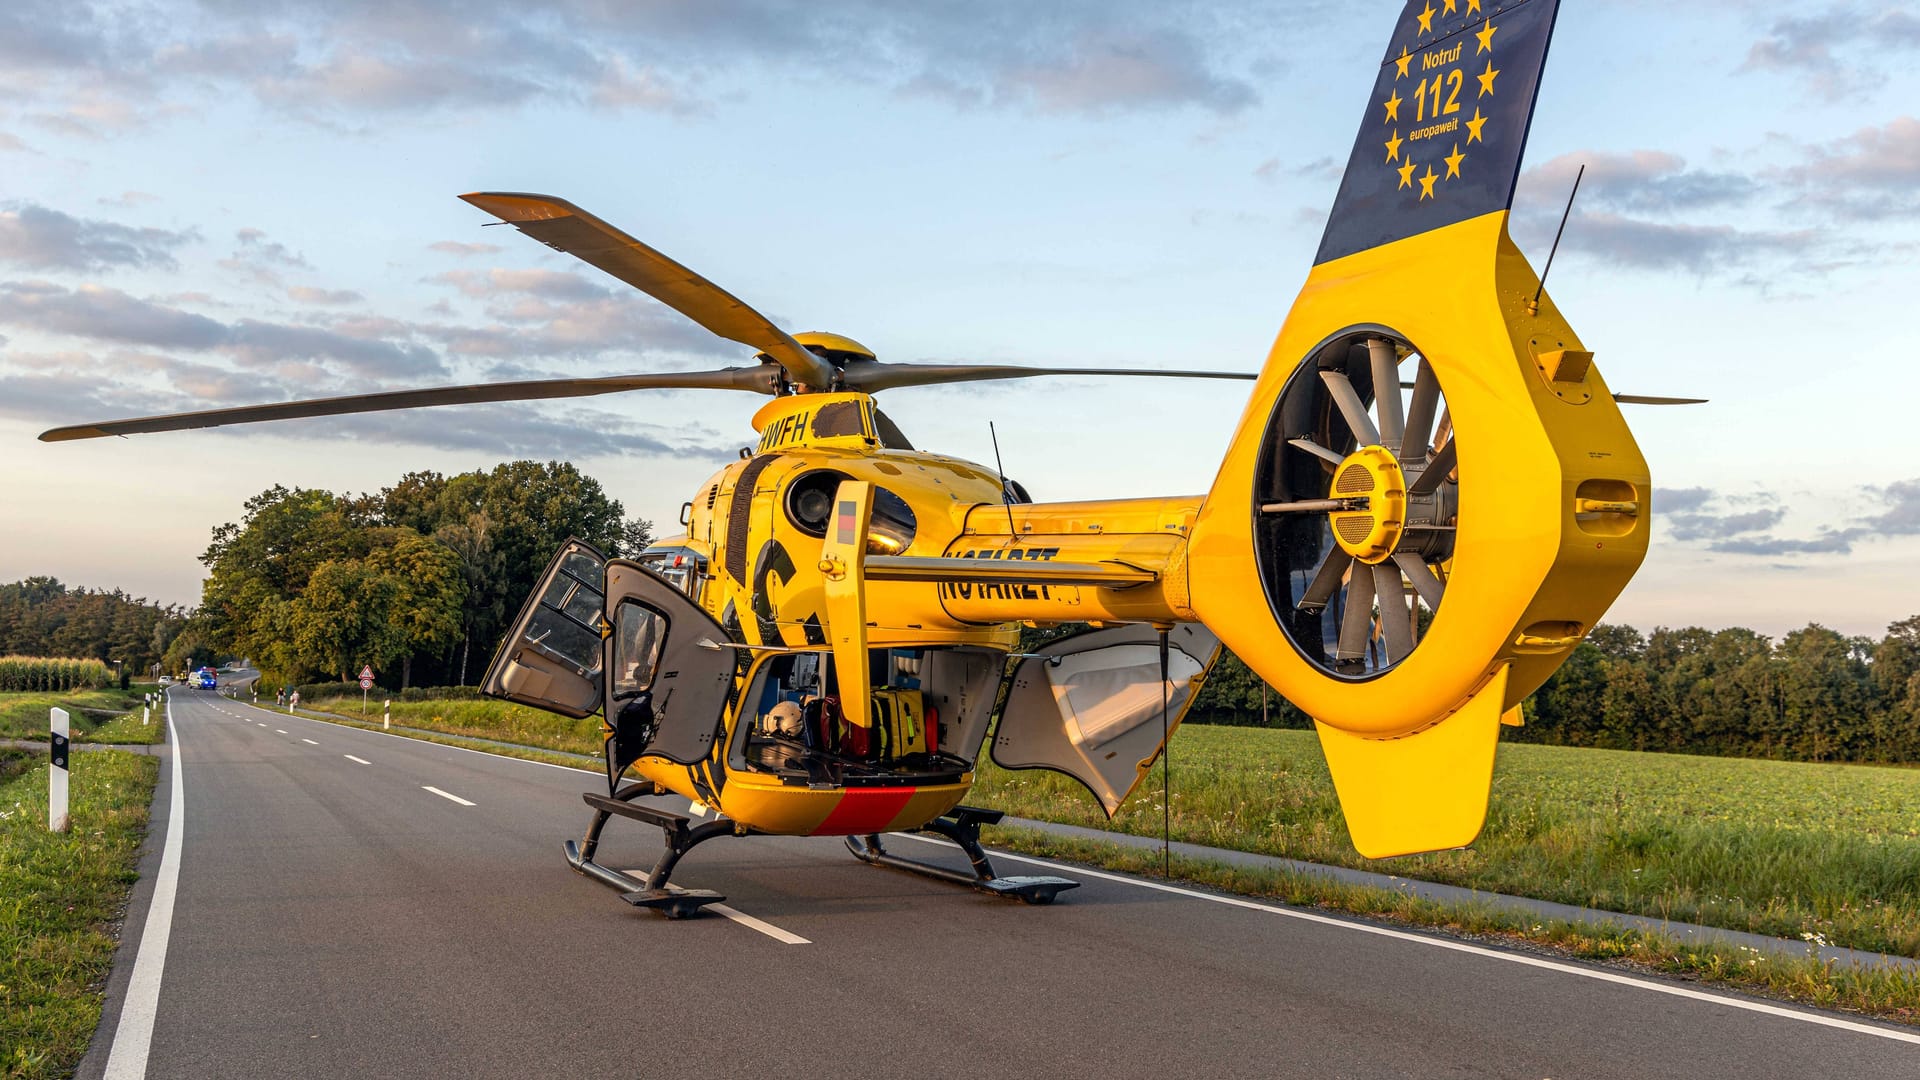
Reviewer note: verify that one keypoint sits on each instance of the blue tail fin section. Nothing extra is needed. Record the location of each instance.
(1447, 123)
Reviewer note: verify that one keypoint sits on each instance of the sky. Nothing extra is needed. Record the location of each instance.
(238, 201)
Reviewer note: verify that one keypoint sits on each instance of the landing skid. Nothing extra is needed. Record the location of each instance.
(652, 893)
(962, 826)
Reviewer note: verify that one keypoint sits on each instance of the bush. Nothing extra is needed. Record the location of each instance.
(42, 673)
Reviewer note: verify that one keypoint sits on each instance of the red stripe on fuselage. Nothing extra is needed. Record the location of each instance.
(862, 811)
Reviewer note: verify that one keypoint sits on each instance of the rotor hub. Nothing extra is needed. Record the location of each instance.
(1371, 530)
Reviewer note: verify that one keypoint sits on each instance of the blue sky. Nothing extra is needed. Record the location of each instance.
(226, 202)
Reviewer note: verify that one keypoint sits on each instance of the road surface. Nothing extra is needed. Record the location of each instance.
(356, 904)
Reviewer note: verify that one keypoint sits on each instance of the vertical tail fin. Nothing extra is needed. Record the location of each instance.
(1404, 585)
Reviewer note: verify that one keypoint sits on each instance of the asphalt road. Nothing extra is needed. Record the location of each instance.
(336, 916)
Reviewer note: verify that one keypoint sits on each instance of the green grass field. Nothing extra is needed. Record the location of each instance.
(1822, 852)
(59, 895)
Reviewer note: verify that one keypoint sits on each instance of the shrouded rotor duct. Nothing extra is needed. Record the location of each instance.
(1358, 500)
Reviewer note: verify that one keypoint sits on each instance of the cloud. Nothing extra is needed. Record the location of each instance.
(306, 294)
(1870, 175)
(38, 238)
(99, 313)
(546, 284)
(130, 199)
(1902, 514)
(261, 259)
(1835, 49)
(312, 58)
(11, 144)
(1640, 181)
(455, 247)
(1697, 249)
(1693, 515)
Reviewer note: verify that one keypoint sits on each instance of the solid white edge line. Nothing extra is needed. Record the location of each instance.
(1461, 946)
(446, 794)
(361, 760)
(133, 1034)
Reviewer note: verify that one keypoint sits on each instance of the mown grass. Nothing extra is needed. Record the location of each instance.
(1815, 852)
(490, 744)
(1889, 994)
(1829, 853)
(90, 716)
(59, 897)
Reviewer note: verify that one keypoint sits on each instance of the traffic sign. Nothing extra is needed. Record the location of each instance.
(366, 673)
(366, 682)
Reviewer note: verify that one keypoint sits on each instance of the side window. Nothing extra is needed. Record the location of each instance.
(639, 632)
(564, 627)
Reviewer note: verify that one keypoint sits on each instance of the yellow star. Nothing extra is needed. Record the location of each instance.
(1486, 37)
(1450, 5)
(1426, 19)
(1406, 174)
(1474, 125)
(1473, 6)
(1393, 146)
(1453, 161)
(1486, 80)
(1393, 106)
(1403, 61)
(1426, 183)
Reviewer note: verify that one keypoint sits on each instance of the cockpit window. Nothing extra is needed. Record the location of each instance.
(684, 568)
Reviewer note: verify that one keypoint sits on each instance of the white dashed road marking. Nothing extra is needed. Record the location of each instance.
(361, 760)
(309, 742)
(445, 795)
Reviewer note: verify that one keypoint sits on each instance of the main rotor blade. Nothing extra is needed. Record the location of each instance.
(1386, 390)
(1648, 399)
(761, 379)
(563, 226)
(873, 376)
(1355, 413)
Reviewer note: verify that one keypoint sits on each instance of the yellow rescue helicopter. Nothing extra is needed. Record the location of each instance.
(1430, 497)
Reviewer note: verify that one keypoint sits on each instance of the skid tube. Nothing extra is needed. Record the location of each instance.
(962, 826)
(653, 893)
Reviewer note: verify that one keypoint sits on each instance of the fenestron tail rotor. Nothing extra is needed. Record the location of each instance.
(1370, 506)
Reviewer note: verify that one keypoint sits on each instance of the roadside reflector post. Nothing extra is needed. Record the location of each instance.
(57, 776)
(146, 715)
(386, 714)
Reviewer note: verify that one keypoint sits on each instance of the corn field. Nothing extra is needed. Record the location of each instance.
(47, 673)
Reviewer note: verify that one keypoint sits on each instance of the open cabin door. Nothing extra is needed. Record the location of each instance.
(550, 658)
(1089, 705)
(669, 671)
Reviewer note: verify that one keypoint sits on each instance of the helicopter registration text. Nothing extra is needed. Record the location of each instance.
(968, 590)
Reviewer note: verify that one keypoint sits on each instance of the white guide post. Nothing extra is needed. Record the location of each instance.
(386, 715)
(146, 715)
(57, 776)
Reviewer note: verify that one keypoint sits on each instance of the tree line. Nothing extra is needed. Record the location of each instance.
(1814, 695)
(417, 581)
(40, 617)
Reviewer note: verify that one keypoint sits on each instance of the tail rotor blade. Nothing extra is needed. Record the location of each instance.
(1356, 621)
(1325, 580)
(1425, 581)
(1351, 408)
(1396, 620)
(1436, 471)
(1426, 398)
(1386, 390)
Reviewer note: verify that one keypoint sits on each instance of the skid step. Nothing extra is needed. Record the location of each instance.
(652, 893)
(673, 903)
(1034, 890)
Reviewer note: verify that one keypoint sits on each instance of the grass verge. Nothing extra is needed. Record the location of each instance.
(59, 897)
(513, 750)
(95, 716)
(1888, 995)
